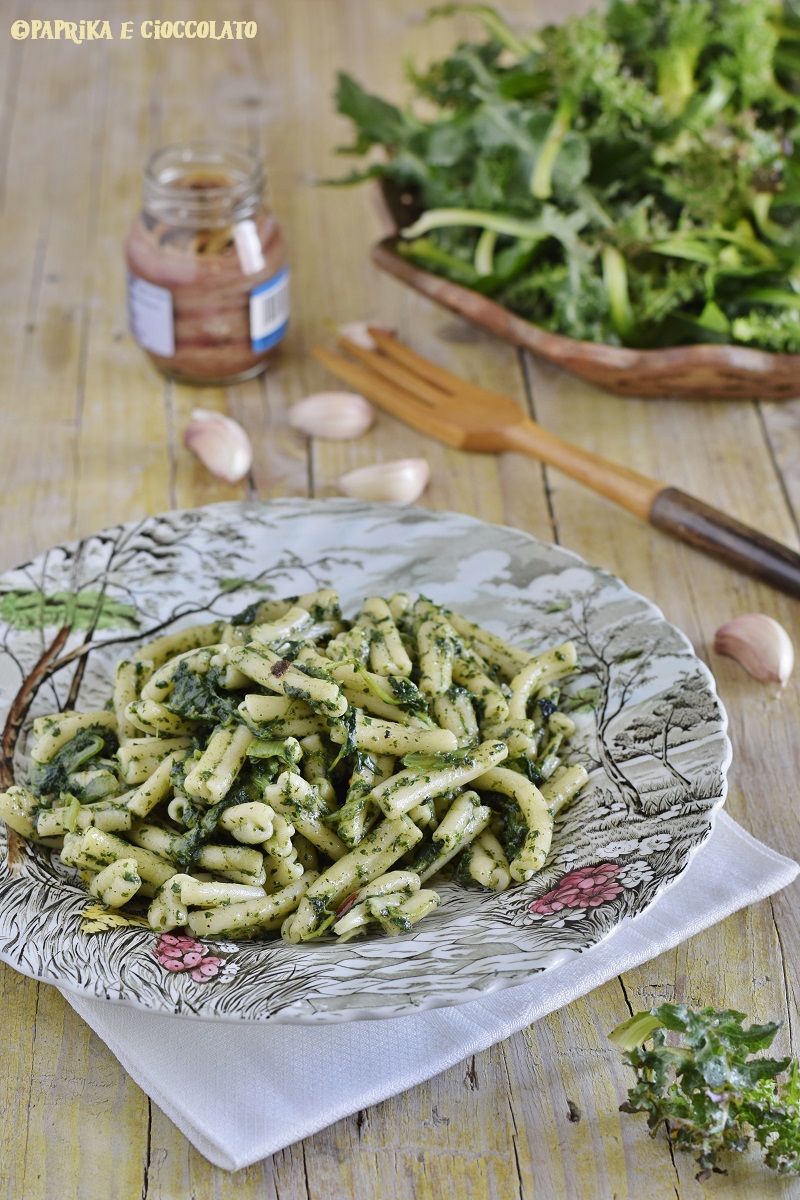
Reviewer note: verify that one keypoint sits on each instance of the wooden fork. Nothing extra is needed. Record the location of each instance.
(472, 418)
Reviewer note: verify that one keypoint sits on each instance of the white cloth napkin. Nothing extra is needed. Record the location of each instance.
(241, 1092)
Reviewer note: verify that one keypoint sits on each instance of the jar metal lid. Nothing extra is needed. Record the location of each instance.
(204, 184)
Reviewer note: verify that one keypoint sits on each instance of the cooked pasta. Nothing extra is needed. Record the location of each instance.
(289, 770)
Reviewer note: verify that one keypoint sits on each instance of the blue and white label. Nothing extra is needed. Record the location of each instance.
(269, 311)
(150, 316)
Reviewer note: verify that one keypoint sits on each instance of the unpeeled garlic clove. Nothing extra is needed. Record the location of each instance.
(760, 644)
(400, 482)
(333, 416)
(220, 443)
(358, 332)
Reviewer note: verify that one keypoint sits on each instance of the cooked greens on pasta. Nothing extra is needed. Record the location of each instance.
(290, 770)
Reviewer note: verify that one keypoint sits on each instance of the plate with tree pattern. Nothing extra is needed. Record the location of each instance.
(651, 733)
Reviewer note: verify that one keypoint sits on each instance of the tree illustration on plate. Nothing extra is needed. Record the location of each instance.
(613, 667)
(121, 581)
(618, 659)
(658, 726)
(29, 609)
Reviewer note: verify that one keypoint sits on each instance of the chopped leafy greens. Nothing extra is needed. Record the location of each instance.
(200, 697)
(88, 745)
(707, 1090)
(286, 750)
(348, 724)
(202, 823)
(627, 177)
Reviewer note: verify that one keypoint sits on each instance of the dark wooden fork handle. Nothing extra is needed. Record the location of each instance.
(723, 536)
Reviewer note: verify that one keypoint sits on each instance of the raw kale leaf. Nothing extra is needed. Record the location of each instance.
(618, 178)
(708, 1090)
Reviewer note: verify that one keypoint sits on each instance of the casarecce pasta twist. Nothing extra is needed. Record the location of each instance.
(289, 770)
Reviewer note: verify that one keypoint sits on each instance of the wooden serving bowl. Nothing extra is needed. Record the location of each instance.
(710, 372)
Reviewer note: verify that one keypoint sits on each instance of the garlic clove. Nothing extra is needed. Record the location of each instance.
(400, 482)
(220, 443)
(760, 644)
(333, 416)
(358, 332)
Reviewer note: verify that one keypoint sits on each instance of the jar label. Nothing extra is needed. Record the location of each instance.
(269, 311)
(150, 316)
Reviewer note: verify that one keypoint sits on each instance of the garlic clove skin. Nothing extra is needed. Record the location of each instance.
(399, 482)
(220, 443)
(358, 332)
(332, 416)
(759, 644)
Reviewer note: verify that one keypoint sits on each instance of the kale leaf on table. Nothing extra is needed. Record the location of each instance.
(629, 177)
(707, 1090)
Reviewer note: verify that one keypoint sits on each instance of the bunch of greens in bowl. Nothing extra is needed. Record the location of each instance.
(630, 177)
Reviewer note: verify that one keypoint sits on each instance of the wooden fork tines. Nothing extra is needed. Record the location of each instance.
(425, 395)
(472, 418)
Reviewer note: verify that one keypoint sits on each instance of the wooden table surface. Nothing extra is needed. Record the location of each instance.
(92, 436)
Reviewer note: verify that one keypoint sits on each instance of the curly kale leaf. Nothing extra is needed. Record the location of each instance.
(778, 331)
(708, 1090)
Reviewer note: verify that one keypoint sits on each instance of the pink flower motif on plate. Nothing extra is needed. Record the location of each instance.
(587, 887)
(176, 952)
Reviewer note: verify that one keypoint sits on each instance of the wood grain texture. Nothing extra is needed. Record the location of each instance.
(92, 435)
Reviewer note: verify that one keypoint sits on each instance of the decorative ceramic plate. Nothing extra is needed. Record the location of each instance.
(651, 733)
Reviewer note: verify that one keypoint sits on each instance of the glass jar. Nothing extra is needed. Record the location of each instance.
(208, 281)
